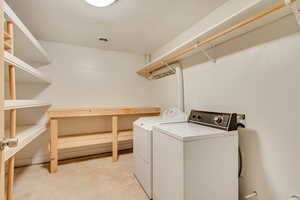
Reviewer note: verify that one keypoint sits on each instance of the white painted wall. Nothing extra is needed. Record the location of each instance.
(257, 74)
(84, 77)
(91, 77)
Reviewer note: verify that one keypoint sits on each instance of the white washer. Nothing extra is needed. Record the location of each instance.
(196, 162)
(142, 147)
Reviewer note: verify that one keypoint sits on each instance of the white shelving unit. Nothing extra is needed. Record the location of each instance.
(34, 51)
(19, 71)
(262, 13)
(19, 104)
(25, 135)
(25, 72)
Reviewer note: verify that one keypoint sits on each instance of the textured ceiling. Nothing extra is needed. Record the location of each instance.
(138, 26)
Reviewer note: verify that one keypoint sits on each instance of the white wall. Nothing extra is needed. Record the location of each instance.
(91, 77)
(84, 77)
(257, 74)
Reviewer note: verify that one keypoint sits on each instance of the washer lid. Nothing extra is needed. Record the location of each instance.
(186, 131)
(149, 122)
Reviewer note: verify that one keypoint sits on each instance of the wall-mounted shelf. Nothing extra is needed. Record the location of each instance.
(19, 104)
(27, 48)
(80, 140)
(25, 135)
(26, 73)
(256, 15)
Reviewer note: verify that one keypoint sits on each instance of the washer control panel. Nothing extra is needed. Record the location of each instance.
(224, 121)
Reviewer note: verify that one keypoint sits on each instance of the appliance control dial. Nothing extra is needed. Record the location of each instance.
(218, 119)
(224, 121)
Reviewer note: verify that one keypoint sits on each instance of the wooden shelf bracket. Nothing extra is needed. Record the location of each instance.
(294, 9)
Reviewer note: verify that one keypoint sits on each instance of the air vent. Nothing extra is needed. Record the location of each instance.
(103, 39)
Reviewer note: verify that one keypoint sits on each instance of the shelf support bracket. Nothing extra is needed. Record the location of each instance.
(294, 9)
(210, 57)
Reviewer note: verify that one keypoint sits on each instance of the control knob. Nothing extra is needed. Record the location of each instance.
(218, 119)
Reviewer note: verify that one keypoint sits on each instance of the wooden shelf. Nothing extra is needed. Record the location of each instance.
(25, 135)
(27, 46)
(85, 139)
(231, 26)
(73, 141)
(26, 73)
(89, 112)
(18, 104)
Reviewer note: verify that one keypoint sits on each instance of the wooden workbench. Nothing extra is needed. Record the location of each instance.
(72, 141)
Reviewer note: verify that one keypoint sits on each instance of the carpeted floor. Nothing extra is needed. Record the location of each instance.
(95, 179)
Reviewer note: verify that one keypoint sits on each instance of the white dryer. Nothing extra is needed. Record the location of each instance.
(142, 145)
(197, 159)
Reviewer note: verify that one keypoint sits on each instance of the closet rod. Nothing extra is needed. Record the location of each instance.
(161, 64)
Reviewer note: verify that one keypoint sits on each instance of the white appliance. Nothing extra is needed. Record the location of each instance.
(142, 145)
(197, 159)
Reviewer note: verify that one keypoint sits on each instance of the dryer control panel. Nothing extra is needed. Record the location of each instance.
(224, 121)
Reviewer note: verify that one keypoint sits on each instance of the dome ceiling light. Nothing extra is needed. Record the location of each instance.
(100, 3)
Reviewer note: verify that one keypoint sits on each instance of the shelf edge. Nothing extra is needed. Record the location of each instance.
(28, 137)
(26, 104)
(13, 60)
(11, 14)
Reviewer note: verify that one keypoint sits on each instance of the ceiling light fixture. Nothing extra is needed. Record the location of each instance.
(100, 3)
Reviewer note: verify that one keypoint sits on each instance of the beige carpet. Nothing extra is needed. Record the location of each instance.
(96, 179)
